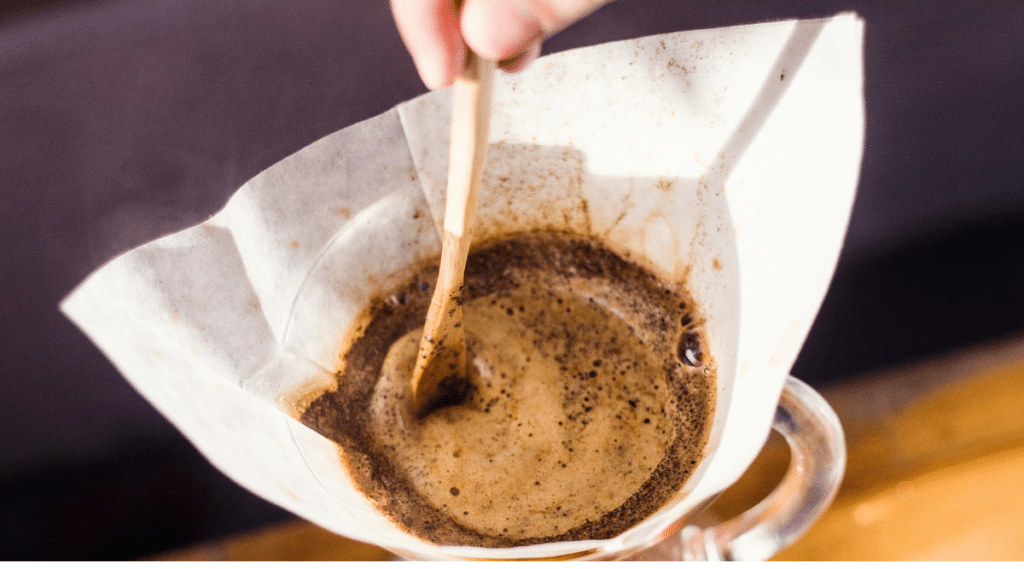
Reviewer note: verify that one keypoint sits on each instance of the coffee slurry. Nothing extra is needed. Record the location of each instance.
(587, 405)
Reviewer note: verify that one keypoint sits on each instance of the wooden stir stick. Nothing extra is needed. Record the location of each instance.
(441, 362)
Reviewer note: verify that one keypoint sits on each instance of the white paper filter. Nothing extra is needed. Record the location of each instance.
(728, 156)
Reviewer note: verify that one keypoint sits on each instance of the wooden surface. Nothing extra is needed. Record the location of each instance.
(442, 352)
(935, 472)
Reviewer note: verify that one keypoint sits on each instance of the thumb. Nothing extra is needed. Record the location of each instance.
(506, 29)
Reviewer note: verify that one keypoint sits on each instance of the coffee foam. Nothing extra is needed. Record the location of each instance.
(581, 419)
(567, 418)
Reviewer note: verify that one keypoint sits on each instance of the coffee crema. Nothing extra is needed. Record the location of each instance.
(588, 404)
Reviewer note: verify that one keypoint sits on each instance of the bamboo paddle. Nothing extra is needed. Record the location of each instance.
(440, 371)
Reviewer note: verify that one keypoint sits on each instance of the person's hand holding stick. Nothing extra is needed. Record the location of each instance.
(438, 33)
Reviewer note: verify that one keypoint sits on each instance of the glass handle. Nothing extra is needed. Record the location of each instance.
(818, 460)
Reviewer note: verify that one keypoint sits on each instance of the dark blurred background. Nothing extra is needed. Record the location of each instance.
(123, 120)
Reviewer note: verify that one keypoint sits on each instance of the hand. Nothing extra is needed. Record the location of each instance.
(507, 31)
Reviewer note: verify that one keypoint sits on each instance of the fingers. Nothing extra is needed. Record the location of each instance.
(521, 62)
(430, 31)
(507, 29)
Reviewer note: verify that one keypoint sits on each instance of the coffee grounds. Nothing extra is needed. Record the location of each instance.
(661, 316)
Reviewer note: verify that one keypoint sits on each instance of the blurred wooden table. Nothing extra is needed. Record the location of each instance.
(935, 472)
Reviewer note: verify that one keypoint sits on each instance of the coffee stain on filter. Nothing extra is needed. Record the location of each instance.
(659, 243)
(531, 187)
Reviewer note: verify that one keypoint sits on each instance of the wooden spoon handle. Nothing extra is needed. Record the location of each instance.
(442, 353)
(471, 112)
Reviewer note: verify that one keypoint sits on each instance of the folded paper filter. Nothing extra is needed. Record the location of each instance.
(729, 157)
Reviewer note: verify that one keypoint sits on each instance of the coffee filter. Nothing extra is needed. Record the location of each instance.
(727, 157)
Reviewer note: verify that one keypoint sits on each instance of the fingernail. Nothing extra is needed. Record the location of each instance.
(522, 61)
